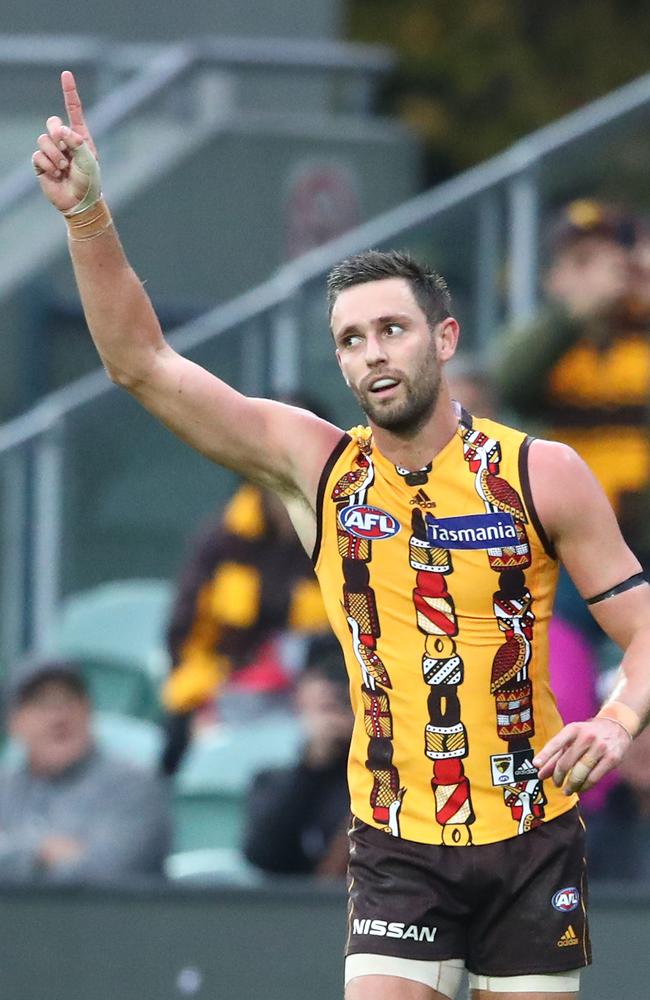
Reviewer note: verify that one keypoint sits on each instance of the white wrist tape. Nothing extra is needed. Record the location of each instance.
(85, 166)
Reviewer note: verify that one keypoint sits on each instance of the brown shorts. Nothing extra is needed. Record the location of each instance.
(514, 908)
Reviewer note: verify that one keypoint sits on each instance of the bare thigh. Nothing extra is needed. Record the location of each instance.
(392, 988)
(482, 995)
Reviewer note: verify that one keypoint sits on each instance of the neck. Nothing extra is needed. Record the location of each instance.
(415, 451)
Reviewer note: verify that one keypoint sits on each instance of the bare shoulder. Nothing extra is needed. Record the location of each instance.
(562, 485)
(306, 439)
(578, 518)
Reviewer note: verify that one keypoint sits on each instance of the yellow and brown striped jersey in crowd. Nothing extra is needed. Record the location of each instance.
(439, 585)
(596, 401)
(244, 583)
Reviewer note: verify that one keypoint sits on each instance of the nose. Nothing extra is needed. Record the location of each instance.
(375, 350)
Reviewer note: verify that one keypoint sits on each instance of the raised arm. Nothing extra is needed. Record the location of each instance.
(261, 439)
(581, 524)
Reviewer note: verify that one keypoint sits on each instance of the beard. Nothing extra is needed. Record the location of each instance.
(408, 415)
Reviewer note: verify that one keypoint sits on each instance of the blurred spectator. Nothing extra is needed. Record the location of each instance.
(298, 816)
(68, 812)
(247, 583)
(472, 386)
(247, 588)
(582, 367)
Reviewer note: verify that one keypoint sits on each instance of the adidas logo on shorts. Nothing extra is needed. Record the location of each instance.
(568, 938)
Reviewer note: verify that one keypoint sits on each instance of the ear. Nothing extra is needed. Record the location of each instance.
(447, 334)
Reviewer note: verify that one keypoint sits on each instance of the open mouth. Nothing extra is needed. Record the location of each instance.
(383, 386)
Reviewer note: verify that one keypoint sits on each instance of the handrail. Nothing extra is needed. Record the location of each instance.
(223, 50)
(164, 69)
(297, 53)
(172, 62)
(626, 101)
(46, 50)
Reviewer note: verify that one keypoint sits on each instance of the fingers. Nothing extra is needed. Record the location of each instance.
(581, 775)
(580, 750)
(547, 770)
(545, 761)
(596, 749)
(55, 149)
(43, 165)
(52, 152)
(599, 771)
(63, 137)
(569, 757)
(73, 105)
(581, 754)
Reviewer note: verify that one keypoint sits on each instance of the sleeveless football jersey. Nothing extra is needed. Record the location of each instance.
(439, 584)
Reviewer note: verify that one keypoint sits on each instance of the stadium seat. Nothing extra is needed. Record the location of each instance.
(116, 631)
(139, 741)
(211, 785)
(122, 619)
(208, 818)
(218, 864)
(225, 757)
(120, 686)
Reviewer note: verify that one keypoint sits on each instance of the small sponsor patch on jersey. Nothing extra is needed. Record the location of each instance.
(566, 899)
(365, 521)
(509, 768)
(471, 531)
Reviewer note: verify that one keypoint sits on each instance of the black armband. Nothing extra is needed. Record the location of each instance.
(620, 588)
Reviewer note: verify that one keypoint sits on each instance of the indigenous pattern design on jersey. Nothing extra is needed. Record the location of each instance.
(439, 584)
(356, 523)
(509, 683)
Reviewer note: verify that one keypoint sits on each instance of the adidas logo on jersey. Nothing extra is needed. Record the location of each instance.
(569, 938)
(422, 500)
(526, 768)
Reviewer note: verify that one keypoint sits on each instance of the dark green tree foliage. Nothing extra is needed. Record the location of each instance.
(477, 74)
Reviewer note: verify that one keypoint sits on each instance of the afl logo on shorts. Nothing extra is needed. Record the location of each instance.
(364, 521)
(566, 900)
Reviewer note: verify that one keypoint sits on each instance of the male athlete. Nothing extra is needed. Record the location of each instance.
(436, 538)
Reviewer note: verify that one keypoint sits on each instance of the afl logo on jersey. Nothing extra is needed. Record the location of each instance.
(364, 521)
(566, 899)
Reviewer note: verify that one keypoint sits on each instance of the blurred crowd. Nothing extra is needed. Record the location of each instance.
(248, 640)
(579, 373)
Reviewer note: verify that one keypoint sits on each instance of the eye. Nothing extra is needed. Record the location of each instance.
(393, 329)
(350, 340)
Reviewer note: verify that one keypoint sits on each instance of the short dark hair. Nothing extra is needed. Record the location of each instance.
(26, 680)
(429, 288)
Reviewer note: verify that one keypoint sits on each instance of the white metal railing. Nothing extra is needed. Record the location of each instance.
(514, 173)
(166, 65)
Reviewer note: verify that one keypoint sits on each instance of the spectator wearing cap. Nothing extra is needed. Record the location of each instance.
(581, 368)
(69, 812)
(298, 816)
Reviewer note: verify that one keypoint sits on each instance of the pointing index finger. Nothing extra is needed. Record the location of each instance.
(73, 103)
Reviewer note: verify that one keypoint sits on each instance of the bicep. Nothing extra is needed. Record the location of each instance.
(204, 411)
(254, 437)
(580, 521)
